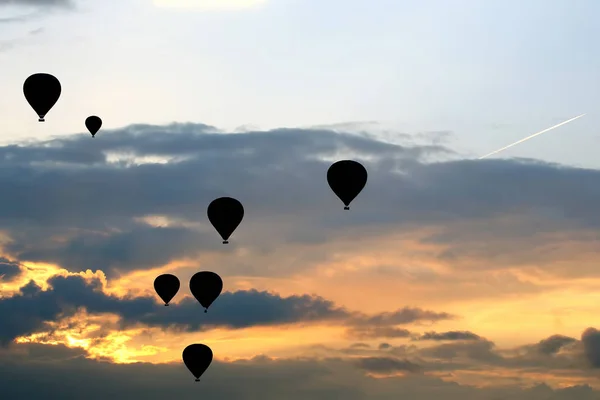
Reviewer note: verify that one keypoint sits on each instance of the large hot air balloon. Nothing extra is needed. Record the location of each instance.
(197, 358)
(41, 92)
(166, 286)
(93, 124)
(206, 286)
(225, 214)
(347, 179)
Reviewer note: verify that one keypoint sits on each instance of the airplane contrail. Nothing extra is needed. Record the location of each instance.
(535, 134)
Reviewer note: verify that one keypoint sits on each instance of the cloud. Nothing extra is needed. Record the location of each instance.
(95, 231)
(554, 343)
(452, 335)
(478, 225)
(30, 310)
(591, 345)
(261, 377)
(482, 351)
(386, 364)
(8, 269)
(55, 208)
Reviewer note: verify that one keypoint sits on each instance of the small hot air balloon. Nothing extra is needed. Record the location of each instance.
(93, 124)
(41, 91)
(166, 286)
(206, 286)
(225, 214)
(347, 179)
(197, 358)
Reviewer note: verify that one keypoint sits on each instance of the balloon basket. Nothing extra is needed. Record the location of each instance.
(197, 379)
(41, 120)
(346, 208)
(225, 242)
(166, 305)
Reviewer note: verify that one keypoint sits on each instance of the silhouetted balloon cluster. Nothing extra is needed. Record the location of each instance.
(346, 178)
(225, 214)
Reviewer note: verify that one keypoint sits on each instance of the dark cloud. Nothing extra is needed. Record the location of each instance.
(384, 346)
(9, 269)
(557, 353)
(62, 373)
(29, 311)
(140, 247)
(58, 189)
(481, 351)
(386, 365)
(452, 335)
(591, 345)
(554, 343)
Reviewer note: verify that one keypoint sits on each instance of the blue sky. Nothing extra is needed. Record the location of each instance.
(490, 72)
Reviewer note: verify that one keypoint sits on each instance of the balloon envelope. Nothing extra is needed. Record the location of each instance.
(206, 286)
(225, 214)
(347, 179)
(166, 286)
(93, 124)
(41, 92)
(197, 358)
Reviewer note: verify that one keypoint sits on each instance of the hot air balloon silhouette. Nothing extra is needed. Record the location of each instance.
(41, 91)
(93, 124)
(166, 286)
(225, 214)
(206, 286)
(197, 358)
(347, 179)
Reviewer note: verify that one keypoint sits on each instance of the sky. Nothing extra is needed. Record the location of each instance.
(450, 277)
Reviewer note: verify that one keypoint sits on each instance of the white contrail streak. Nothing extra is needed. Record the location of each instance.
(534, 135)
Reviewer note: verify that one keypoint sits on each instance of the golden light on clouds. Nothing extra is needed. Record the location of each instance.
(101, 337)
(365, 274)
(98, 335)
(40, 273)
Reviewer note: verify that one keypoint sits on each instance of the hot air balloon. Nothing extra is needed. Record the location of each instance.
(206, 286)
(197, 358)
(93, 124)
(225, 214)
(166, 286)
(41, 92)
(347, 179)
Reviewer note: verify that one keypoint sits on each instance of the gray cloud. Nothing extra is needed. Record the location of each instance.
(386, 365)
(591, 345)
(9, 269)
(480, 351)
(554, 343)
(294, 379)
(452, 335)
(29, 311)
(59, 188)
